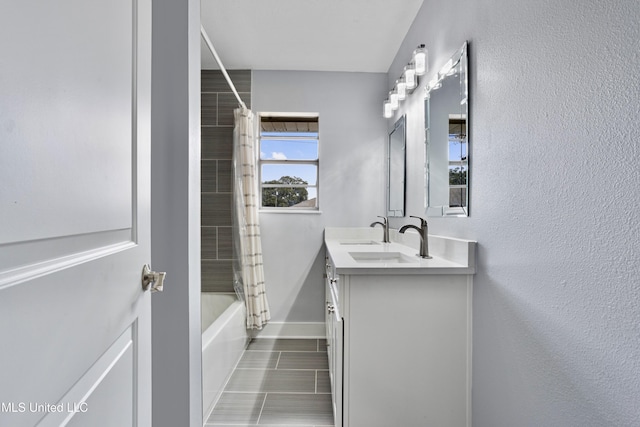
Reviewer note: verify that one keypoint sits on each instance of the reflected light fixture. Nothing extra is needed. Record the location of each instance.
(448, 69)
(434, 84)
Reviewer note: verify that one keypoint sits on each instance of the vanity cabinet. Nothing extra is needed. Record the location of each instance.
(399, 344)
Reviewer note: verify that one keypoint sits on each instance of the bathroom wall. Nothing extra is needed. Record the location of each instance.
(352, 179)
(555, 181)
(218, 103)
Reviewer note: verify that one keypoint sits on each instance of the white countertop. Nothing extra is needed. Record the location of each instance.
(450, 256)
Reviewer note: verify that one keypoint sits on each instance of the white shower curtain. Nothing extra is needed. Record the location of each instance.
(248, 268)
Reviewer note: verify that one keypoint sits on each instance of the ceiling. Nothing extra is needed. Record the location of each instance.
(309, 35)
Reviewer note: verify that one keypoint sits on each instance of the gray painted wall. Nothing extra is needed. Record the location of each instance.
(352, 178)
(555, 99)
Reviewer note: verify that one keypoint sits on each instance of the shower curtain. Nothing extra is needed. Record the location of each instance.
(247, 269)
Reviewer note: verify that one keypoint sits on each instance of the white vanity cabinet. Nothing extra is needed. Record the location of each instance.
(399, 337)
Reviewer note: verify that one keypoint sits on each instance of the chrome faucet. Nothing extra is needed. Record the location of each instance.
(424, 236)
(385, 227)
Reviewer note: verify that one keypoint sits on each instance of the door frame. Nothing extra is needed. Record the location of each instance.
(175, 214)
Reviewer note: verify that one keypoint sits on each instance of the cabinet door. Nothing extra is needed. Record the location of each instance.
(329, 328)
(337, 368)
(409, 363)
(334, 334)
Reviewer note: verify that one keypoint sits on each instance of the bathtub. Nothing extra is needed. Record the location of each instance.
(224, 338)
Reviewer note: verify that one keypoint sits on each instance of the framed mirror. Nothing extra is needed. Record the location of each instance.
(396, 174)
(446, 119)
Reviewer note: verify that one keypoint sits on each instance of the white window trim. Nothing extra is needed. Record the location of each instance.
(287, 210)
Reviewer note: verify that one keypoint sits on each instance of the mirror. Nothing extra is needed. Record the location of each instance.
(446, 119)
(396, 175)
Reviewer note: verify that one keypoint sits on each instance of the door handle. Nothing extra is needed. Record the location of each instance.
(153, 280)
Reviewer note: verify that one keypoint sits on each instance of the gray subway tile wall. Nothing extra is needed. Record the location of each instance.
(217, 275)
(218, 103)
(216, 209)
(216, 142)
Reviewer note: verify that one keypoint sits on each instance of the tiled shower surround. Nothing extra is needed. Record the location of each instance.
(218, 103)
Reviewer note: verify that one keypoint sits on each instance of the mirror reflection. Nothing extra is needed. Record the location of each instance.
(396, 175)
(446, 118)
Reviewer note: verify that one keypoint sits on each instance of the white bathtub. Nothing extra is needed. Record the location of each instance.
(224, 338)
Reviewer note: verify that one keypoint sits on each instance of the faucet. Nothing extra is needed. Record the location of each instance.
(424, 236)
(385, 227)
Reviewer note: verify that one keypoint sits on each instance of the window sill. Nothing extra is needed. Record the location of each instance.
(290, 211)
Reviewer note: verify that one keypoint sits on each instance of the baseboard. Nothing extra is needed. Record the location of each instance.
(291, 330)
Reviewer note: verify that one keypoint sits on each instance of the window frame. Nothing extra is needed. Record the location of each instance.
(290, 162)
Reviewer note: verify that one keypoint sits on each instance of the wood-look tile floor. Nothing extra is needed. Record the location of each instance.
(278, 382)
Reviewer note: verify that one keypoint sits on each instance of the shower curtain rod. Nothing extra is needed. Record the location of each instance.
(217, 58)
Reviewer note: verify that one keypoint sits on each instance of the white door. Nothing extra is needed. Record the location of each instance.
(75, 327)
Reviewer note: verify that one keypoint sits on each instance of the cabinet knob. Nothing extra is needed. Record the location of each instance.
(331, 308)
(333, 281)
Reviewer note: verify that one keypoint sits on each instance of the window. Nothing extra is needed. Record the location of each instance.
(458, 163)
(289, 161)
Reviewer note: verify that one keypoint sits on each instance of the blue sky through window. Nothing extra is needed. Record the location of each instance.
(303, 147)
(457, 150)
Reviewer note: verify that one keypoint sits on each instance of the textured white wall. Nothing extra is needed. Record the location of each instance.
(555, 98)
(352, 179)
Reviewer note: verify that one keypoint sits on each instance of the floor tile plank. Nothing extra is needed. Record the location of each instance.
(287, 409)
(323, 383)
(286, 381)
(236, 408)
(303, 360)
(283, 344)
(259, 360)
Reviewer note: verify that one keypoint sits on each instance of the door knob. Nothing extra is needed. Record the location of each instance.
(152, 279)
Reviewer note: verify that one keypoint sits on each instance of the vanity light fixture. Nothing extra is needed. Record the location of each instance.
(407, 82)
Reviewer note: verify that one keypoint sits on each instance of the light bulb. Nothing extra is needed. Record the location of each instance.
(401, 90)
(387, 112)
(409, 76)
(393, 100)
(420, 60)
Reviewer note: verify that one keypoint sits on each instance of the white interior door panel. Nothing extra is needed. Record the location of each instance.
(74, 213)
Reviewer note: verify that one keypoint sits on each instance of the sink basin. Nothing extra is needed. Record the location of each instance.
(383, 257)
(359, 242)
